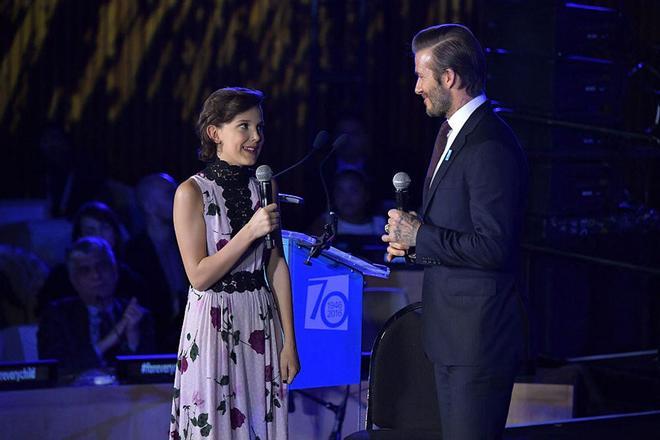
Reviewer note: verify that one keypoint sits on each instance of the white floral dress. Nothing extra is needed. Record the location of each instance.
(228, 384)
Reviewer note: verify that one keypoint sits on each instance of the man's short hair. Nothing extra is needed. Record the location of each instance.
(453, 46)
(90, 246)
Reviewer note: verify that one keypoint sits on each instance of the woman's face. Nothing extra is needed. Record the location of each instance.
(92, 227)
(241, 139)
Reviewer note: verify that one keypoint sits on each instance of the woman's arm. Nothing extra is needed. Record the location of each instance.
(204, 270)
(280, 281)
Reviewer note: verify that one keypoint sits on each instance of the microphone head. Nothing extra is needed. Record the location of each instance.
(401, 181)
(341, 140)
(321, 140)
(264, 173)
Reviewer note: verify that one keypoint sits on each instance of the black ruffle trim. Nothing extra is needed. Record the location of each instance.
(240, 282)
(234, 181)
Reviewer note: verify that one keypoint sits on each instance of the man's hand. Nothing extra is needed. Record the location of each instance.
(132, 315)
(401, 231)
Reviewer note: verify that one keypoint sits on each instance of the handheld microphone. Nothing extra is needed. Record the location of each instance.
(320, 141)
(401, 182)
(264, 174)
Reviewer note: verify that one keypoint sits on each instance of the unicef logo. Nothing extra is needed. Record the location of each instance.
(327, 304)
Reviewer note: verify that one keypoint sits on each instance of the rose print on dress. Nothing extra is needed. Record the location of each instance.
(257, 341)
(197, 399)
(237, 418)
(215, 317)
(183, 364)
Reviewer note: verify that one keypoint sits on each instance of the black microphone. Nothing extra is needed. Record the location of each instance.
(330, 228)
(401, 182)
(339, 142)
(264, 174)
(320, 141)
(290, 198)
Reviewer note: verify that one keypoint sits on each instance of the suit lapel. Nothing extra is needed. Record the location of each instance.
(454, 151)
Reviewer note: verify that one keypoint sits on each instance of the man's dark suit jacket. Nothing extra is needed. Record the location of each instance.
(142, 257)
(64, 335)
(469, 242)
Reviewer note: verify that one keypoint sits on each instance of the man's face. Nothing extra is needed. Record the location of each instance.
(437, 99)
(350, 199)
(93, 276)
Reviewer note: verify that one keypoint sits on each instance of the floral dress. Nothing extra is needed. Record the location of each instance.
(227, 384)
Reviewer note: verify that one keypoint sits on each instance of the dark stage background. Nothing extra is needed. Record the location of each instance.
(127, 78)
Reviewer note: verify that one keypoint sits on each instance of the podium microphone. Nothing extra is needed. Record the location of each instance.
(264, 174)
(340, 142)
(321, 140)
(330, 228)
(401, 182)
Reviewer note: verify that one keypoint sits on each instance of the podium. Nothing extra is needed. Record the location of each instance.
(327, 310)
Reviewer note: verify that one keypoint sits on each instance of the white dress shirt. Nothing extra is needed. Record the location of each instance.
(456, 122)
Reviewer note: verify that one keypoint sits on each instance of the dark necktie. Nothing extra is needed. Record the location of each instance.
(440, 144)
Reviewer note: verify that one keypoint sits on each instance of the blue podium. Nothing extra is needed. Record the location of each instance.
(327, 309)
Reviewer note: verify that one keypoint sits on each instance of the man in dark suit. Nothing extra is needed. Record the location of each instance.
(467, 236)
(90, 329)
(154, 255)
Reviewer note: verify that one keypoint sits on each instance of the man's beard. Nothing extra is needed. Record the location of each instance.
(440, 100)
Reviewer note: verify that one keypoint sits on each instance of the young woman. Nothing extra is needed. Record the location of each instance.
(237, 348)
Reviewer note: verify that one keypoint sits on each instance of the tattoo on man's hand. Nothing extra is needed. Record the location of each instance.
(405, 230)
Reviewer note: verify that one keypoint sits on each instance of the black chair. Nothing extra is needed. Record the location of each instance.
(402, 402)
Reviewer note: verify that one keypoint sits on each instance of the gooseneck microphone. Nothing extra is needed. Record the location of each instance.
(330, 228)
(264, 176)
(321, 140)
(338, 143)
(401, 182)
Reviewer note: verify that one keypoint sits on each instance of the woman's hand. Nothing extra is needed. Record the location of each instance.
(263, 221)
(289, 363)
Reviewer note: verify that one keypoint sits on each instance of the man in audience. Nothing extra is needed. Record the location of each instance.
(93, 219)
(154, 255)
(90, 329)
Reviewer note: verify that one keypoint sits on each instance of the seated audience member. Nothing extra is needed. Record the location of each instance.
(23, 274)
(358, 230)
(93, 219)
(154, 255)
(352, 201)
(89, 329)
(358, 154)
(356, 151)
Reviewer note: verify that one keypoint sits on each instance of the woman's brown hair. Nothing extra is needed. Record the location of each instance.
(219, 108)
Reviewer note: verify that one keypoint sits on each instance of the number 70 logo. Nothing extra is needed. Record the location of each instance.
(326, 307)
